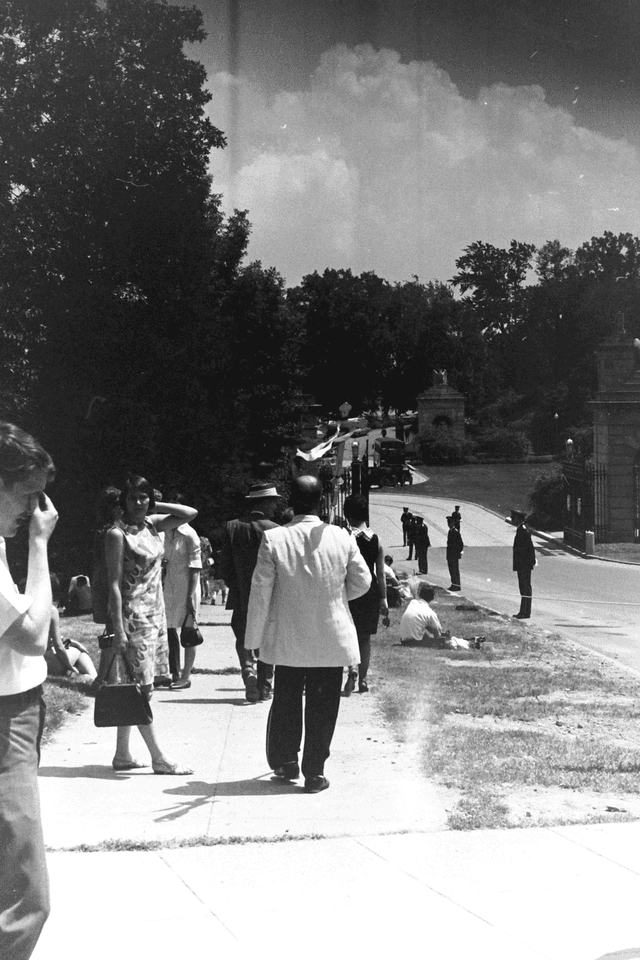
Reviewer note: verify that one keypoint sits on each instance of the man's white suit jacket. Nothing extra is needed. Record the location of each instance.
(307, 571)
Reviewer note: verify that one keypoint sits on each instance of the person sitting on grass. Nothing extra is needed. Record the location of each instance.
(66, 658)
(419, 625)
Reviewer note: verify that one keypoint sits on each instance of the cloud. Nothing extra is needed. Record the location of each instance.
(383, 165)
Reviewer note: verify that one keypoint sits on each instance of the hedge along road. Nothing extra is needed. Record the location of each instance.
(592, 602)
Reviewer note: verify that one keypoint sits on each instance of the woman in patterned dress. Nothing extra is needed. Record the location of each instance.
(134, 550)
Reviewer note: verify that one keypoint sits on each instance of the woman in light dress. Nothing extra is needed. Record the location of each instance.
(134, 551)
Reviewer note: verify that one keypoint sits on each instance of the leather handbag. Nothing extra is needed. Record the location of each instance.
(121, 704)
(190, 635)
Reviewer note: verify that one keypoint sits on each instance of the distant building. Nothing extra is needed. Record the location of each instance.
(441, 406)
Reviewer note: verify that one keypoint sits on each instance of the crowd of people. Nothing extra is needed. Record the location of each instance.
(151, 573)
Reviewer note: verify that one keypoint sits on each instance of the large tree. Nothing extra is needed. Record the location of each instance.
(105, 209)
(496, 278)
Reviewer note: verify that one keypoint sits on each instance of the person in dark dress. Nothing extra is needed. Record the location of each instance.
(405, 519)
(411, 536)
(365, 610)
(524, 560)
(422, 544)
(455, 546)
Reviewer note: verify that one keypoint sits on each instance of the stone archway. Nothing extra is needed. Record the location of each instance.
(439, 407)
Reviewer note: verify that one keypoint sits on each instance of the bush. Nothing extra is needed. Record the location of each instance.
(504, 444)
(440, 447)
(546, 501)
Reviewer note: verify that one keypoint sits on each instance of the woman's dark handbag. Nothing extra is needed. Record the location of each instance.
(190, 635)
(121, 704)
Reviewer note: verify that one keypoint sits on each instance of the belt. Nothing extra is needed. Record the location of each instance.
(25, 698)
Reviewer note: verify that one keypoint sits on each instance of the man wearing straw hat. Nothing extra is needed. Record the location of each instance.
(237, 561)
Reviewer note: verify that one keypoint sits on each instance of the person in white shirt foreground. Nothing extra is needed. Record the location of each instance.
(419, 624)
(25, 470)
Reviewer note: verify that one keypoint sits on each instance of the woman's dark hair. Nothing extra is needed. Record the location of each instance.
(356, 508)
(133, 484)
(20, 455)
(108, 498)
(426, 592)
(388, 560)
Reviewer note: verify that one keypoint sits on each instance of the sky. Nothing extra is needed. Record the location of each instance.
(388, 135)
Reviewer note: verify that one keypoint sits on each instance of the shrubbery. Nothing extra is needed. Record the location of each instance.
(440, 447)
(504, 443)
(546, 501)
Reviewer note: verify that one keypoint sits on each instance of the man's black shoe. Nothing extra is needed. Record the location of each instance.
(264, 693)
(522, 616)
(288, 771)
(316, 784)
(162, 681)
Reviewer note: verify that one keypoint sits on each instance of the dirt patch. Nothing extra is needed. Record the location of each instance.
(553, 806)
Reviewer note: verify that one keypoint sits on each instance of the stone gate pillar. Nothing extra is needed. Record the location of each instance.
(616, 422)
(441, 406)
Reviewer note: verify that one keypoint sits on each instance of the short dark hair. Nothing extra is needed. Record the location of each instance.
(356, 508)
(133, 483)
(306, 493)
(388, 560)
(426, 592)
(107, 498)
(20, 455)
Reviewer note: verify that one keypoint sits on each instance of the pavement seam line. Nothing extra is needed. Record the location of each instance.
(197, 896)
(597, 853)
(449, 899)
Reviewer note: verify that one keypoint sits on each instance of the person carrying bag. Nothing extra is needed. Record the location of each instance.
(121, 703)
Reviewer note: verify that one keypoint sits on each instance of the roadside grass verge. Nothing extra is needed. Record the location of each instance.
(528, 730)
(499, 486)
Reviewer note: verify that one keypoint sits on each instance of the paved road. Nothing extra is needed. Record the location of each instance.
(591, 601)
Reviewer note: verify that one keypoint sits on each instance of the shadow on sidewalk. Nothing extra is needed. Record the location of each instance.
(89, 771)
(198, 792)
(234, 701)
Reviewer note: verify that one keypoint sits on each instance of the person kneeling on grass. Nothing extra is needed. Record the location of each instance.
(419, 624)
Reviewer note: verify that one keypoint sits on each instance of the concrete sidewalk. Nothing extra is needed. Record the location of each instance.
(386, 876)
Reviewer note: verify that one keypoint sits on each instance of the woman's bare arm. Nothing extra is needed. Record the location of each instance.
(114, 554)
(168, 516)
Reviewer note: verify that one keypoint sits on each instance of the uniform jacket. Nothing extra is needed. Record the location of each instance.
(307, 571)
(421, 536)
(455, 546)
(524, 554)
(239, 555)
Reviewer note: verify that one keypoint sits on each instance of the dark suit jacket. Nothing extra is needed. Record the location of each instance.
(421, 537)
(455, 546)
(524, 554)
(239, 556)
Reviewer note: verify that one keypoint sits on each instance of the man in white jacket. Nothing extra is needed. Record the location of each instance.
(307, 571)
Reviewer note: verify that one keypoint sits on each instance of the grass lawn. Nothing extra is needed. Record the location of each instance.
(499, 486)
(529, 730)
(65, 697)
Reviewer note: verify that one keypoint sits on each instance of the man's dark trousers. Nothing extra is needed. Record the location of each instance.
(321, 687)
(524, 585)
(454, 570)
(24, 884)
(245, 657)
